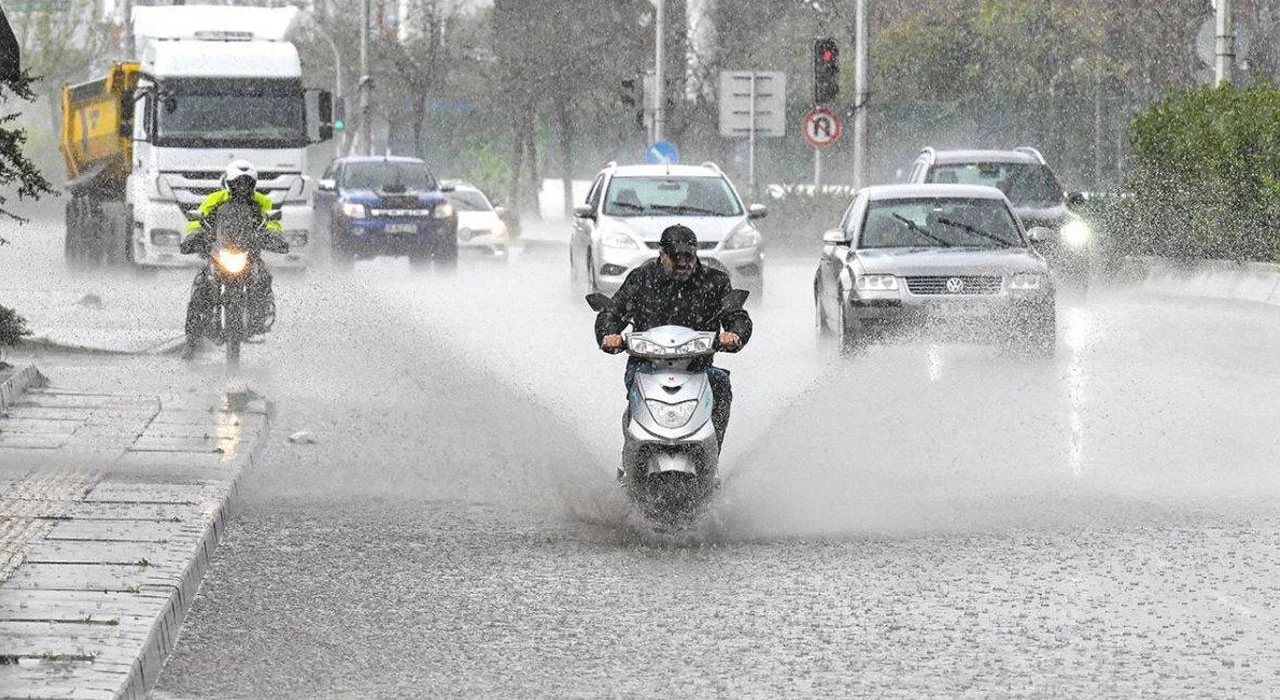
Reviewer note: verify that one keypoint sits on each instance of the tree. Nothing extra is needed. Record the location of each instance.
(15, 168)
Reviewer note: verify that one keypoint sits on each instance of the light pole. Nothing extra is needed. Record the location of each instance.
(1225, 44)
(365, 143)
(860, 96)
(658, 85)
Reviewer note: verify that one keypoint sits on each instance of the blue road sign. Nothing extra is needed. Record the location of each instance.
(661, 153)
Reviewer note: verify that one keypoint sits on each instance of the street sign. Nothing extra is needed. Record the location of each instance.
(661, 153)
(821, 128)
(753, 103)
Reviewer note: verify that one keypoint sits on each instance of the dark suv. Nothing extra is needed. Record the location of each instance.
(1031, 187)
(386, 206)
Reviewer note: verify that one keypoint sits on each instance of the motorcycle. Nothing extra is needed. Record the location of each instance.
(670, 454)
(240, 236)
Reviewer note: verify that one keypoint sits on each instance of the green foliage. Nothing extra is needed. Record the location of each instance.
(15, 167)
(1206, 181)
(13, 328)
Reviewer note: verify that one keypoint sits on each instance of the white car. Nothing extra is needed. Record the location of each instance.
(617, 229)
(480, 226)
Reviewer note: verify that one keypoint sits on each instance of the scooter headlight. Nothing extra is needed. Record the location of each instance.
(232, 262)
(695, 347)
(669, 415)
(640, 346)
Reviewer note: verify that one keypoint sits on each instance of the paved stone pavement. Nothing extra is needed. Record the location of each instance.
(110, 507)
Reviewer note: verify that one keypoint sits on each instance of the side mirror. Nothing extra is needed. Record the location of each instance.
(1075, 199)
(327, 185)
(598, 302)
(448, 187)
(757, 211)
(584, 211)
(1039, 234)
(319, 106)
(835, 237)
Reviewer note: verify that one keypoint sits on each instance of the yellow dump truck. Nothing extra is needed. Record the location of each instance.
(97, 144)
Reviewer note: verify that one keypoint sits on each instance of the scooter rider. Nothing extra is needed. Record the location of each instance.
(239, 182)
(677, 289)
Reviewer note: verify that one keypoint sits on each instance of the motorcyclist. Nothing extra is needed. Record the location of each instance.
(677, 289)
(239, 185)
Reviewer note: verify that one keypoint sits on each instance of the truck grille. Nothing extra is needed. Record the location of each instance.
(956, 285)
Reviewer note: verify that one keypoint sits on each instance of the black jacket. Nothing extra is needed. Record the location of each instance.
(649, 298)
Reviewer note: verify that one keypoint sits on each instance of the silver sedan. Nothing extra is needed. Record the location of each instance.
(933, 255)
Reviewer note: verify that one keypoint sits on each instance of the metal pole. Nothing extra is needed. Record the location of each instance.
(128, 30)
(365, 141)
(817, 167)
(1097, 124)
(860, 97)
(658, 86)
(1226, 44)
(751, 141)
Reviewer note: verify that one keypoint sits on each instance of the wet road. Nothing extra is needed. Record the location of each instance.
(926, 520)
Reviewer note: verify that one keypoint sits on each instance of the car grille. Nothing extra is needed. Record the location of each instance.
(957, 285)
(702, 245)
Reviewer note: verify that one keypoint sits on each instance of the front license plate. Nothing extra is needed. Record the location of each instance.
(401, 228)
(955, 310)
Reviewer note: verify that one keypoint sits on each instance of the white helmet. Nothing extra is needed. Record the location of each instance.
(238, 169)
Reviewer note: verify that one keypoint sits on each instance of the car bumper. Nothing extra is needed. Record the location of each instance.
(745, 266)
(158, 229)
(400, 236)
(918, 309)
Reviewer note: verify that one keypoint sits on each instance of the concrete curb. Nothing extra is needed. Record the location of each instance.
(167, 628)
(1257, 283)
(44, 344)
(12, 384)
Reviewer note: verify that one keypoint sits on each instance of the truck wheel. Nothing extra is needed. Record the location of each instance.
(446, 254)
(114, 229)
(73, 243)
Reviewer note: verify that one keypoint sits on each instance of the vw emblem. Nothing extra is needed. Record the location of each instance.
(955, 285)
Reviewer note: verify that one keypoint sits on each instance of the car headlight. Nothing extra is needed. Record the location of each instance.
(694, 347)
(876, 283)
(443, 211)
(1075, 233)
(640, 346)
(671, 415)
(352, 210)
(618, 239)
(747, 238)
(1026, 280)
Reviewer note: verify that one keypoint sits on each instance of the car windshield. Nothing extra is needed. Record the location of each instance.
(939, 222)
(1025, 184)
(388, 176)
(469, 200)
(671, 196)
(219, 113)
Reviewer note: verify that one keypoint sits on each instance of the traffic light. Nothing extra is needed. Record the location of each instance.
(826, 71)
(631, 93)
(339, 114)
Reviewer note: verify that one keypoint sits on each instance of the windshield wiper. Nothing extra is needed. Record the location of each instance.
(628, 205)
(916, 227)
(686, 208)
(975, 231)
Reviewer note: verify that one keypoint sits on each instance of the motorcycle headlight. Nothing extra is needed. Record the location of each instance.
(695, 347)
(640, 346)
(1076, 233)
(443, 211)
(876, 283)
(670, 415)
(747, 238)
(232, 262)
(354, 211)
(1026, 280)
(618, 239)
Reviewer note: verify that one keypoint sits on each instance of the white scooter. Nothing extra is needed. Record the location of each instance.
(670, 453)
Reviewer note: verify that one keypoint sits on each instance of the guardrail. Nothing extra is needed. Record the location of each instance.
(1213, 279)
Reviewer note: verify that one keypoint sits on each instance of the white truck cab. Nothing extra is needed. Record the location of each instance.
(218, 84)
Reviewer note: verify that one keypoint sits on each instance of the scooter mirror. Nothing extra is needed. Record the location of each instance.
(598, 302)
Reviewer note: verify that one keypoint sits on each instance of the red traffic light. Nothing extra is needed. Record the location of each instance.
(828, 55)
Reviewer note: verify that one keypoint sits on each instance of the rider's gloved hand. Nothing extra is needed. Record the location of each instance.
(729, 342)
(612, 343)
